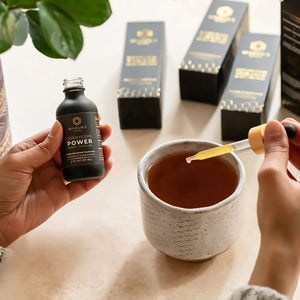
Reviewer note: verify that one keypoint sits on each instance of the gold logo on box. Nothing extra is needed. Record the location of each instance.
(144, 37)
(223, 15)
(144, 33)
(257, 50)
(225, 11)
(258, 46)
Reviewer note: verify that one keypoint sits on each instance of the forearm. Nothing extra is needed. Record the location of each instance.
(277, 267)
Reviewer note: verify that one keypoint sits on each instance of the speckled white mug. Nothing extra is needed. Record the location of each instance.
(190, 234)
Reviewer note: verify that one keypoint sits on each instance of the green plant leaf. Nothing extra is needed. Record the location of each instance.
(37, 37)
(60, 31)
(21, 27)
(7, 28)
(21, 3)
(88, 12)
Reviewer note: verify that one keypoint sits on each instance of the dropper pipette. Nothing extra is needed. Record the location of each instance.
(254, 141)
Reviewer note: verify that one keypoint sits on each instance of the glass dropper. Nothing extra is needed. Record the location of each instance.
(254, 141)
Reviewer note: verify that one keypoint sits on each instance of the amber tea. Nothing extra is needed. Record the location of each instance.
(198, 184)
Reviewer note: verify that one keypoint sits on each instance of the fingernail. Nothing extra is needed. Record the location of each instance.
(54, 128)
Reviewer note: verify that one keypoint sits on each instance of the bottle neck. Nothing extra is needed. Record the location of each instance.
(74, 93)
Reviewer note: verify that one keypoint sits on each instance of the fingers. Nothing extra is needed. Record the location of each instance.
(44, 150)
(294, 155)
(105, 132)
(77, 189)
(106, 151)
(294, 150)
(57, 159)
(276, 152)
(41, 136)
(295, 140)
(30, 142)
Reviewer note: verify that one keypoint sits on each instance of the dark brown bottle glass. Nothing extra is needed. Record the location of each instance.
(81, 149)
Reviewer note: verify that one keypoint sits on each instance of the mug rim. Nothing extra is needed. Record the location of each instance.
(231, 197)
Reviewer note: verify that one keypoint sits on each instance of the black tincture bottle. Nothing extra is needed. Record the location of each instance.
(81, 149)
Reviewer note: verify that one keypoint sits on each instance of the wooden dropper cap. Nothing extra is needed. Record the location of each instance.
(256, 136)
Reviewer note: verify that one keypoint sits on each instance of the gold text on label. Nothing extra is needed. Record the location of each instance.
(141, 60)
(212, 37)
(252, 74)
(144, 37)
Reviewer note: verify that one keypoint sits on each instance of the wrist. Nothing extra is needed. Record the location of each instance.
(277, 267)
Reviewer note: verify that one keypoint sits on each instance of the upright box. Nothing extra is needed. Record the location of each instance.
(248, 95)
(139, 94)
(207, 63)
(290, 55)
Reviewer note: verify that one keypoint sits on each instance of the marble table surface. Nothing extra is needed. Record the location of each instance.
(95, 248)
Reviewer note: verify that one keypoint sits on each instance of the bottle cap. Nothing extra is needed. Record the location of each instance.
(256, 139)
(75, 82)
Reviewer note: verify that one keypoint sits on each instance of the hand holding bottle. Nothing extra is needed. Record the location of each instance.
(32, 186)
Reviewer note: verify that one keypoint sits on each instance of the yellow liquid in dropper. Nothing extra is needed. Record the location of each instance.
(210, 153)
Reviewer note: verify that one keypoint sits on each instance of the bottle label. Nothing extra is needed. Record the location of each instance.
(82, 143)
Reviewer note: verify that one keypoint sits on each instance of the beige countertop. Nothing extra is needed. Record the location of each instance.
(95, 248)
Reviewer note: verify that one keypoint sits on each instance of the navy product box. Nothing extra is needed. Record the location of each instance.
(207, 63)
(248, 95)
(139, 94)
(290, 55)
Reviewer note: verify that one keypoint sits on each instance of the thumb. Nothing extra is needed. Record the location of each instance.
(44, 151)
(276, 147)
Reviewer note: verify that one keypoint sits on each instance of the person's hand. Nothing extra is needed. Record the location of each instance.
(278, 211)
(32, 186)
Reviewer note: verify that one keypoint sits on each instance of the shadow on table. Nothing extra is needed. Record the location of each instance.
(140, 141)
(188, 121)
(191, 117)
(147, 273)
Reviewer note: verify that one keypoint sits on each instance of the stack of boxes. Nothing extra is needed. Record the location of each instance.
(225, 65)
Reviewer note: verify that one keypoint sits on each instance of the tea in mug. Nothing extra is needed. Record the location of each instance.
(198, 184)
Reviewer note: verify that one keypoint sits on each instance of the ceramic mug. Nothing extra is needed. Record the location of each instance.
(190, 234)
